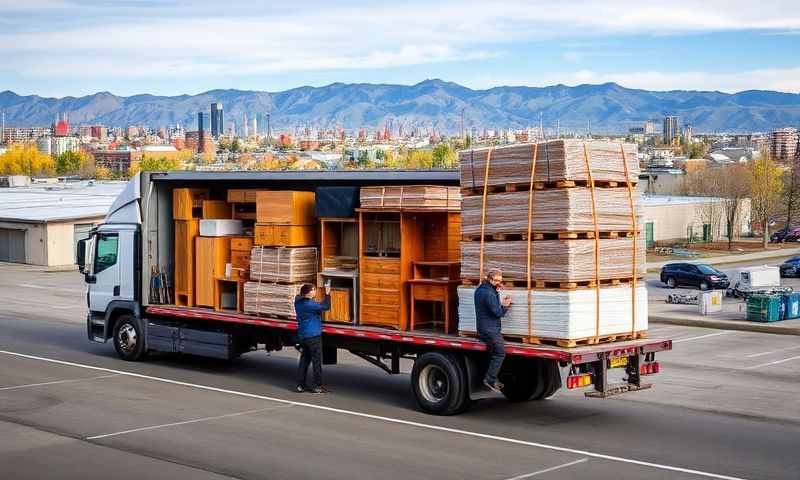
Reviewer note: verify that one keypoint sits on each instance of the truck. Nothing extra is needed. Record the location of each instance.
(137, 238)
(763, 280)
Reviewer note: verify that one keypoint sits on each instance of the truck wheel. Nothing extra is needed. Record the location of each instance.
(438, 383)
(523, 381)
(129, 338)
(551, 380)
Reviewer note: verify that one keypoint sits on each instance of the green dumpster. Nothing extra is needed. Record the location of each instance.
(764, 308)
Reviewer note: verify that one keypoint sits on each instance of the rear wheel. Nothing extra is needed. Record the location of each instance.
(551, 379)
(438, 381)
(129, 338)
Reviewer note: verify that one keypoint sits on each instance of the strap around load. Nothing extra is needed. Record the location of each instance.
(530, 236)
(483, 208)
(635, 238)
(596, 239)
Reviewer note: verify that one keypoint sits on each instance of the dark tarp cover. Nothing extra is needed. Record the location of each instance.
(336, 201)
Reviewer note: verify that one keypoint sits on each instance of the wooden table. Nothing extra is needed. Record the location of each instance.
(431, 290)
(218, 283)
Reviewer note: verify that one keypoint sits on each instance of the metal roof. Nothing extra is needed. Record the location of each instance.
(42, 203)
(332, 177)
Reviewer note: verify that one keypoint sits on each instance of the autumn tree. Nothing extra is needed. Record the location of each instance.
(766, 191)
(75, 163)
(444, 156)
(26, 159)
(791, 187)
(730, 185)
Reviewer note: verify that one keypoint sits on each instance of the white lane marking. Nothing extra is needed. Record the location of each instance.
(56, 382)
(186, 422)
(546, 470)
(773, 363)
(771, 352)
(702, 336)
(398, 421)
(58, 289)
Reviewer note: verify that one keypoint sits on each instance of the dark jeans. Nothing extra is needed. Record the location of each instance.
(497, 349)
(310, 352)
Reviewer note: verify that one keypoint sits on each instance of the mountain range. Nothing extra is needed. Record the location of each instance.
(431, 104)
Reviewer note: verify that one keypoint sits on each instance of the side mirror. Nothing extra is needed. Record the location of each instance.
(81, 260)
(89, 278)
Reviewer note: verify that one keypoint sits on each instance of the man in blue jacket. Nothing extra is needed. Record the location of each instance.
(489, 309)
(309, 335)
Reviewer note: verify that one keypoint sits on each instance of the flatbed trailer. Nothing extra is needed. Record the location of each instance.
(447, 372)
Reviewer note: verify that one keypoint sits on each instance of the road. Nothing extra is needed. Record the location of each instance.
(725, 407)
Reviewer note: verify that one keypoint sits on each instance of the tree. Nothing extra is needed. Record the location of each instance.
(26, 159)
(159, 164)
(73, 163)
(698, 150)
(735, 186)
(102, 173)
(791, 187)
(236, 146)
(705, 183)
(766, 190)
(443, 156)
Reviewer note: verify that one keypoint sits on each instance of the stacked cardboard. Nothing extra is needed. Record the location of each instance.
(282, 264)
(274, 299)
(582, 244)
(411, 196)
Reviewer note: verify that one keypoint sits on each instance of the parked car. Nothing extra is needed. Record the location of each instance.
(790, 268)
(697, 275)
(781, 234)
(792, 235)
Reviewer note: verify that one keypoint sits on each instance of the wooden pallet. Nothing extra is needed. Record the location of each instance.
(505, 237)
(551, 285)
(515, 187)
(566, 343)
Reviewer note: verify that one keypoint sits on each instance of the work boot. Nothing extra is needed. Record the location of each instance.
(496, 387)
(300, 388)
(320, 390)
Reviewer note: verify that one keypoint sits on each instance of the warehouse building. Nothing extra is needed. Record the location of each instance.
(41, 223)
(669, 219)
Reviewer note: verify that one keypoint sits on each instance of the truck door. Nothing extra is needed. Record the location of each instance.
(105, 271)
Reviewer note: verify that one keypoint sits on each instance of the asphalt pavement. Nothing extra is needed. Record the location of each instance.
(725, 406)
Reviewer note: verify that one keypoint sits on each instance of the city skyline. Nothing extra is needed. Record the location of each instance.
(191, 47)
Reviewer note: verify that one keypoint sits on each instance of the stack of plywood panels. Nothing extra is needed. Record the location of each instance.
(271, 299)
(285, 218)
(283, 264)
(571, 235)
(411, 196)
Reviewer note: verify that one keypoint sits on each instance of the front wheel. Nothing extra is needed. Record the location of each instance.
(704, 285)
(671, 282)
(439, 383)
(129, 338)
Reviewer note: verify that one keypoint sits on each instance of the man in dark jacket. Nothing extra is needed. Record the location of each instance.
(489, 309)
(309, 335)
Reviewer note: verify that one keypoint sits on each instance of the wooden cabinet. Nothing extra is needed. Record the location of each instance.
(285, 235)
(340, 306)
(241, 244)
(212, 255)
(285, 207)
(216, 209)
(186, 231)
(381, 292)
(242, 195)
(187, 203)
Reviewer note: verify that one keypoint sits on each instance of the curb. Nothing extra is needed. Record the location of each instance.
(725, 325)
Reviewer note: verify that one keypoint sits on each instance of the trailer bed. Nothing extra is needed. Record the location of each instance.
(574, 355)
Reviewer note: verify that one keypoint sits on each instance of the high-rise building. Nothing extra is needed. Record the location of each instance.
(255, 125)
(201, 133)
(217, 121)
(650, 128)
(783, 144)
(245, 133)
(671, 129)
(61, 127)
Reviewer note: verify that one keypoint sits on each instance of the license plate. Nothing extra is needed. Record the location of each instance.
(617, 362)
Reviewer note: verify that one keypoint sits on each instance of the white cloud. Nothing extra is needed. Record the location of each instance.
(783, 80)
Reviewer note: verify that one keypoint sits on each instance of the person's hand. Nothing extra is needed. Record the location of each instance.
(506, 301)
(327, 290)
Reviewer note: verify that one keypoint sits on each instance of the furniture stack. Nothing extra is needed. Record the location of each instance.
(400, 226)
(284, 255)
(567, 228)
(187, 209)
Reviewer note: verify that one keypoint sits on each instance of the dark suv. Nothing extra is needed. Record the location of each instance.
(697, 275)
(790, 268)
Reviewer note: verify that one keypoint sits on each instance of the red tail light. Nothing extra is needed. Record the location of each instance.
(650, 368)
(579, 381)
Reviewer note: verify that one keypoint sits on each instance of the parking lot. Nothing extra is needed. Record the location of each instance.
(724, 407)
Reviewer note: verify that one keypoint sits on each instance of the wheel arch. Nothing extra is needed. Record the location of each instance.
(118, 308)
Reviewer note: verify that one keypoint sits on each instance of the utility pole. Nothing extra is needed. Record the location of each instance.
(558, 128)
(463, 138)
(541, 127)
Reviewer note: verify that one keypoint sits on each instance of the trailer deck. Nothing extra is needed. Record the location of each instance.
(576, 355)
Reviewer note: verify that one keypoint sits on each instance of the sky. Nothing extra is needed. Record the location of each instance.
(173, 47)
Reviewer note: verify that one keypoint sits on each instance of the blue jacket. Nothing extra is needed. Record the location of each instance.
(488, 310)
(309, 322)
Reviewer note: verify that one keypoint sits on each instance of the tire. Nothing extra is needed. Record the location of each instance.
(129, 338)
(438, 383)
(703, 285)
(551, 379)
(523, 381)
(671, 282)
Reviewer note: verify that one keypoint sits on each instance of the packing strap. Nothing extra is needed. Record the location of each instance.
(530, 237)
(596, 239)
(483, 208)
(635, 238)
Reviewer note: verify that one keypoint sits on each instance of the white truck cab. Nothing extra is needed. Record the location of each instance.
(109, 261)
